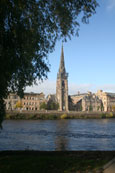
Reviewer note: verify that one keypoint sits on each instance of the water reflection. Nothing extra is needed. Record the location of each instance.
(61, 141)
(58, 135)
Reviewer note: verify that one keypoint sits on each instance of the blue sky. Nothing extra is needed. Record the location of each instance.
(89, 58)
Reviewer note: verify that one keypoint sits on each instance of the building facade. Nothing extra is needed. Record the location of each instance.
(11, 101)
(86, 102)
(91, 102)
(30, 101)
(62, 85)
(108, 100)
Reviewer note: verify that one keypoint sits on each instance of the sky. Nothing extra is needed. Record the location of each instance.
(89, 58)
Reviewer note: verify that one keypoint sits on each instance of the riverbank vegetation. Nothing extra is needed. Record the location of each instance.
(57, 115)
(50, 105)
(56, 161)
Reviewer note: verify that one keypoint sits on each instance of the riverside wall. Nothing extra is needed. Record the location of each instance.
(57, 114)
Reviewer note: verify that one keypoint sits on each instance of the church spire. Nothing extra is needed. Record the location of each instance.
(62, 64)
(62, 85)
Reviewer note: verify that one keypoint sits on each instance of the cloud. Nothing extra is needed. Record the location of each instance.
(107, 87)
(111, 4)
(49, 87)
(82, 88)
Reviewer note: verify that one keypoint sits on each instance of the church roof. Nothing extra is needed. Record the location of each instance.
(110, 94)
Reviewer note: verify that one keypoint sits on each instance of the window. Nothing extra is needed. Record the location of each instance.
(63, 84)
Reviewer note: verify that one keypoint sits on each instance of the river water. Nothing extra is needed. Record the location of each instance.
(52, 135)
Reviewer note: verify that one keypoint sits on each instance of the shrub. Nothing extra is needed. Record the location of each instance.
(109, 115)
(52, 105)
(8, 116)
(64, 116)
(103, 115)
(43, 106)
(113, 108)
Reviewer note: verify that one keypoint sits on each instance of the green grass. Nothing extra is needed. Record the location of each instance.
(53, 162)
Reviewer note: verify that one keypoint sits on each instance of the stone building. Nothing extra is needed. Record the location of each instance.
(108, 100)
(76, 98)
(62, 85)
(91, 102)
(86, 102)
(30, 101)
(11, 101)
(75, 101)
(51, 97)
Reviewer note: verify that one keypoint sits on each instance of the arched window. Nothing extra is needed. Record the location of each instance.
(63, 84)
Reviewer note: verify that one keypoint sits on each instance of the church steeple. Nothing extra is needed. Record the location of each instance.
(62, 64)
(62, 85)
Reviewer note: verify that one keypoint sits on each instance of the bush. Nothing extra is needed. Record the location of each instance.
(103, 116)
(8, 116)
(43, 106)
(109, 115)
(64, 116)
(52, 105)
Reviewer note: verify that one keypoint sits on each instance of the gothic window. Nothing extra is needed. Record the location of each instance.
(63, 84)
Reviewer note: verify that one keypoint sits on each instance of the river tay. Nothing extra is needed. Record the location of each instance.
(58, 135)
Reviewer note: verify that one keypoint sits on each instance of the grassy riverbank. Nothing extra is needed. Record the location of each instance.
(57, 115)
(53, 162)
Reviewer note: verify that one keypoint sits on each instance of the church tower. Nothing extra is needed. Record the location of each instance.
(62, 85)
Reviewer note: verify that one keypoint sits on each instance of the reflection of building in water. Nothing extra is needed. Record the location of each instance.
(61, 140)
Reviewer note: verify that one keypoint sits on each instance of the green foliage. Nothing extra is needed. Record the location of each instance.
(80, 107)
(19, 104)
(90, 108)
(107, 115)
(102, 108)
(98, 108)
(103, 115)
(43, 106)
(64, 116)
(52, 105)
(28, 32)
(113, 108)
(48, 117)
(2, 111)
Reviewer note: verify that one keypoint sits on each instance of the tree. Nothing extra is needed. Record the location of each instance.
(113, 108)
(51, 105)
(43, 106)
(28, 32)
(19, 105)
(90, 108)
